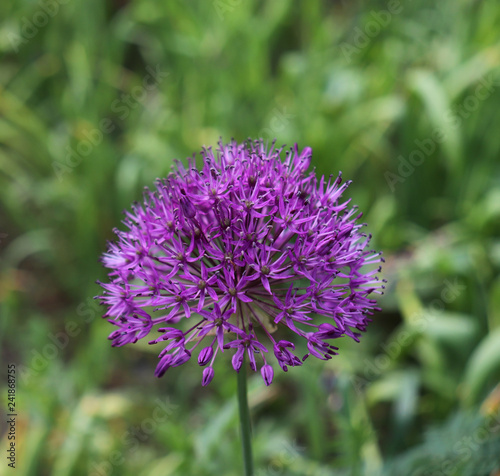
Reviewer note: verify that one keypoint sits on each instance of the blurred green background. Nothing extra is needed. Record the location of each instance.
(96, 100)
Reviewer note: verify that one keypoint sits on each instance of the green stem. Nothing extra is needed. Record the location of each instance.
(246, 429)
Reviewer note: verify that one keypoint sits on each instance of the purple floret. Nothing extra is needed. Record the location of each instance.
(248, 247)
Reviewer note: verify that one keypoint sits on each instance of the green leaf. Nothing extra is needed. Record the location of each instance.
(434, 96)
(483, 364)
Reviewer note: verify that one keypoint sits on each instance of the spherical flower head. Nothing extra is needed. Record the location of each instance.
(227, 257)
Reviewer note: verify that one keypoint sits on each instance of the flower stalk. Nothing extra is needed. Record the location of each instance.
(245, 424)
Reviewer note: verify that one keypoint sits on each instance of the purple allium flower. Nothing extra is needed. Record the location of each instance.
(246, 248)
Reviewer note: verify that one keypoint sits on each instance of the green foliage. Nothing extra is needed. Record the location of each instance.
(96, 100)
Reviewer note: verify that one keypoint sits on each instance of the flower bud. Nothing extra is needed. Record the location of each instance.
(267, 374)
(187, 208)
(205, 355)
(208, 375)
